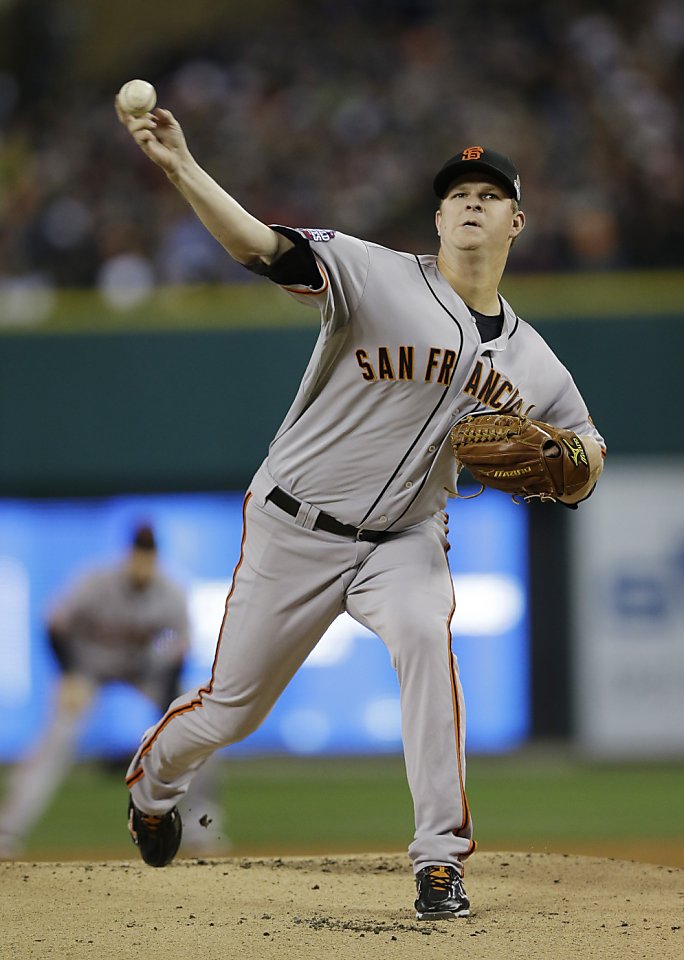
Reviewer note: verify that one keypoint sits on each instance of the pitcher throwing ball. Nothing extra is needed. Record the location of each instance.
(346, 513)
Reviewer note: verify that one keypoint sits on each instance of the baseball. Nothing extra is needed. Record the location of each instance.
(137, 97)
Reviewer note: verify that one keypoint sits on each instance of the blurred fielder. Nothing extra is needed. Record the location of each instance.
(127, 624)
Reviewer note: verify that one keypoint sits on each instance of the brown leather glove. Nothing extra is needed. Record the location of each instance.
(526, 458)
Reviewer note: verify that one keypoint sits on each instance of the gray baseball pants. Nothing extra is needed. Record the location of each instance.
(289, 585)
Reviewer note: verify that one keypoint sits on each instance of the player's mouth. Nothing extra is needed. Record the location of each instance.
(471, 223)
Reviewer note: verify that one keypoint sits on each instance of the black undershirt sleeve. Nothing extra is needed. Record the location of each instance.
(296, 266)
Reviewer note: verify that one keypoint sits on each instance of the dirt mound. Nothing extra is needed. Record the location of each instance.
(525, 906)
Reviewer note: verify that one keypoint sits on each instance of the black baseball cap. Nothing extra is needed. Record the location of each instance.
(143, 538)
(496, 165)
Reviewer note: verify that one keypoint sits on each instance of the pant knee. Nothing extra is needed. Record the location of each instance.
(228, 723)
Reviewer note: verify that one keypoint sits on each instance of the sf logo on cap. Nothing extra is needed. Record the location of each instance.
(472, 153)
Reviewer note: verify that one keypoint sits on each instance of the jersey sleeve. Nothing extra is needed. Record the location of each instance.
(324, 269)
(570, 411)
(563, 404)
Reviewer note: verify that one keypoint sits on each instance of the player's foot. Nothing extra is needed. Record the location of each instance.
(157, 838)
(441, 895)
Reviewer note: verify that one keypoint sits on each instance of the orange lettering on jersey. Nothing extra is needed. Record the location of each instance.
(489, 386)
(511, 402)
(496, 402)
(363, 362)
(406, 363)
(448, 367)
(385, 370)
(433, 360)
(473, 384)
(496, 391)
(472, 153)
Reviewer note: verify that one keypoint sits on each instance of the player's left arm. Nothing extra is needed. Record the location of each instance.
(569, 411)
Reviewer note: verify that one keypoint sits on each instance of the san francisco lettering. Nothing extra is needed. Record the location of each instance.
(492, 389)
(401, 364)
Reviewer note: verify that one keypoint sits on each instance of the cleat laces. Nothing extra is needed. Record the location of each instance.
(150, 821)
(440, 879)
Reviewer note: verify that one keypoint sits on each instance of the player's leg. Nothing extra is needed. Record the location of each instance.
(403, 592)
(204, 832)
(287, 588)
(33, 782)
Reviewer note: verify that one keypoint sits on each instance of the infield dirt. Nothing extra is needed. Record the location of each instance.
(525, 906)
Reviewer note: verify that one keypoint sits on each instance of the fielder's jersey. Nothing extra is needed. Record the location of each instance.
(398, 361)
(117, 632)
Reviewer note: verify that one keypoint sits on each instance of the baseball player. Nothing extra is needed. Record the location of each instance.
(346, 513)
(126, 623)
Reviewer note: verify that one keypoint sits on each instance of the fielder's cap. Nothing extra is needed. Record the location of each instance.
(481, 159)
(143, 538)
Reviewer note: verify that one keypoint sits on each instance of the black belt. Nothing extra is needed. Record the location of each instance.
(324, 521)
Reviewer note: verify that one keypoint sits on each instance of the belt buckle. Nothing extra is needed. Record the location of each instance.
(360, 534)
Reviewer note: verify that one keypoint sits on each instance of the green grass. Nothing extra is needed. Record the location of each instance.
(533, 799)
(287, 804)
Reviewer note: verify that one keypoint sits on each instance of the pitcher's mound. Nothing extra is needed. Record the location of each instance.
(525, 906)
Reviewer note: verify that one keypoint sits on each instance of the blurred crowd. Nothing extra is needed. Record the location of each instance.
(337, 115)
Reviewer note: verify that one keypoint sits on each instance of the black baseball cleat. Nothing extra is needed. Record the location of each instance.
(157, 838)
(441, 895)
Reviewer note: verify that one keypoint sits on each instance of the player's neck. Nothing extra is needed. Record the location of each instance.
(474, 278)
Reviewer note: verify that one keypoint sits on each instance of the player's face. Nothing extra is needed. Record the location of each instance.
(141, 566)
(477, 214)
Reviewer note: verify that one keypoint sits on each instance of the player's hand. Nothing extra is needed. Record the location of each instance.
(159, 136)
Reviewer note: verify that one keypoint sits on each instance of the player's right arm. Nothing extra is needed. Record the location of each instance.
(247, 239)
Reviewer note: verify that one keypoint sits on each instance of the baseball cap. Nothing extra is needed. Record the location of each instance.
(143, 538)
(498, 166)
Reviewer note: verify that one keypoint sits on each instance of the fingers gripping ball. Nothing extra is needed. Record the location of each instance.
(137, 97)
(523, 457)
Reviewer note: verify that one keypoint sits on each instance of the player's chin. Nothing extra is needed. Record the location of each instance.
(470, 242)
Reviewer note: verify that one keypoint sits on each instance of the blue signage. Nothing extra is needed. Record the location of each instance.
(344, 699)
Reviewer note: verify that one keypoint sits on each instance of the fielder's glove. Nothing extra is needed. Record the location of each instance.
(526, 458)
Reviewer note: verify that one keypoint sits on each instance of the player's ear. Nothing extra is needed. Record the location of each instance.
(518, 224)
(438, 219)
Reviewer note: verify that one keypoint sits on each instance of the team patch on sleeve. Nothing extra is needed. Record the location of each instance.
(314, 233)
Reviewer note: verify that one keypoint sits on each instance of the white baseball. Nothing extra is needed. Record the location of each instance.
(137, 97)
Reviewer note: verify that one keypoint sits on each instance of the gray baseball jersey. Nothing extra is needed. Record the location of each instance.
(364, 445)
(117, 632)
(399, 360)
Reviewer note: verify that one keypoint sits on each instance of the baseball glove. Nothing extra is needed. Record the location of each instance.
(526, 458)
